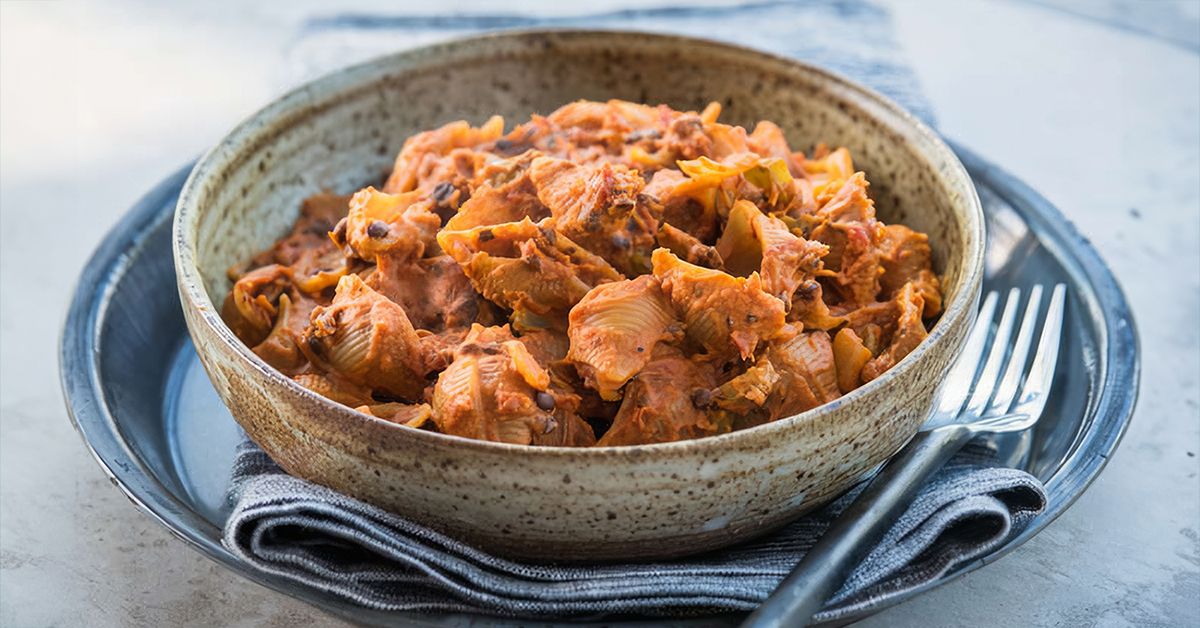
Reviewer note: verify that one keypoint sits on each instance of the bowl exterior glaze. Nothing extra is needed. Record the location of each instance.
(341, 132)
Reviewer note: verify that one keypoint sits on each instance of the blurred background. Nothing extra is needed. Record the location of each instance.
(1094, 104)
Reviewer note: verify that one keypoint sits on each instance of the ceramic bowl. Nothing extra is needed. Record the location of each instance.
(342, 131)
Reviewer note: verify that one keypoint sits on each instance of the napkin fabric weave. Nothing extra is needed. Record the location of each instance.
(311, 534)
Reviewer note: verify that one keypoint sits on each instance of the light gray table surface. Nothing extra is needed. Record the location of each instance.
(100, 101)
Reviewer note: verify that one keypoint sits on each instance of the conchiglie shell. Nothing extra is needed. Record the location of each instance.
(412, 415)
(320, 281)
(411, 226)
(568, 431)
(526, 266)
(460, 379)
(488, 391)
(720, 312)
(438, 141)
(279, 347)
(334, 389)
(249, 309)
(727, 141)
(518, 431)
(365, 337)
(809, 373)
(458, 401)
(810, 308)
(754, 241)
(613, 331)
(348, 352)
(706, 328)
(659, 404)
(772, 232)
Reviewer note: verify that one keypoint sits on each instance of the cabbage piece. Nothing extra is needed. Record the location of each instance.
(726, 315)
(826, 167)
(771, 175)
(614, 329)
(905, 257)
(528, 268)
(706, 173)
(669, 203)
(909, 332)
(501, 192)
(741, 402)
(716, 183)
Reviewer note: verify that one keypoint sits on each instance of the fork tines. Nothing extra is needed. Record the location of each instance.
(994, 375)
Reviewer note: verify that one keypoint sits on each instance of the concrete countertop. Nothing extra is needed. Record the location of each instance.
(99, 102)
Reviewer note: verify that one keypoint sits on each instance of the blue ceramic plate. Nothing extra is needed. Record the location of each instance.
(140, 399)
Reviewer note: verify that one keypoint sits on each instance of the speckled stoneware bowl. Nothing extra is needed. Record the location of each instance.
(341, 132)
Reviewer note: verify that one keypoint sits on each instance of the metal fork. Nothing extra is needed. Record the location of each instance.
(980, 395)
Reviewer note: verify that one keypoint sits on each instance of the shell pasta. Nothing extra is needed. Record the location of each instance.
(610, 274)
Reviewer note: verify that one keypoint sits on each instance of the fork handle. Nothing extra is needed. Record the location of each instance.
(858, 529)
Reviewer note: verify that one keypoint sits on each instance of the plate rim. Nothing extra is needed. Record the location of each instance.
(93, 419)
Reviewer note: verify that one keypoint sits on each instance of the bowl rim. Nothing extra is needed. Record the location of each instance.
(195, 296)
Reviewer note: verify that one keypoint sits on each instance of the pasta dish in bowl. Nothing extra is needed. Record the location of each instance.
(611, 331)
(610, 274)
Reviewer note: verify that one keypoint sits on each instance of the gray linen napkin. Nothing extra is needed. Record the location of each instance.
(313, 535)
(290, 527)
(851, 37)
